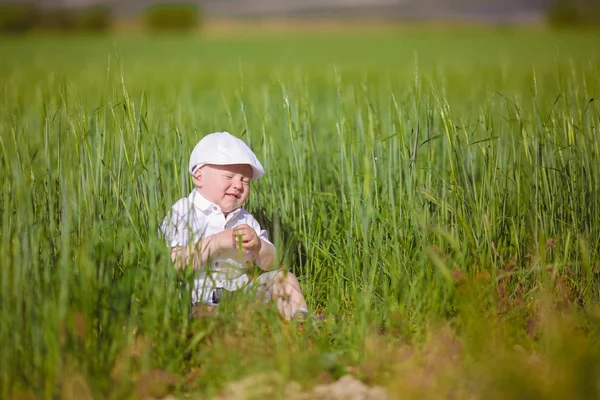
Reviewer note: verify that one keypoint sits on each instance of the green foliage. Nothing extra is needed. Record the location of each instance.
(93, 19)
(565, 13)
(56, 20)
(17, 18)
(21, 18)
(172, 17)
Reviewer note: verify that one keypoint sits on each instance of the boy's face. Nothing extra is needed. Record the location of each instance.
(228, 186)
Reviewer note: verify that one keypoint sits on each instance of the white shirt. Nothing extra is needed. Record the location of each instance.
(193, 218)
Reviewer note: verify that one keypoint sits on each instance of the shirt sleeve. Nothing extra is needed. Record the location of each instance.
(174, 228)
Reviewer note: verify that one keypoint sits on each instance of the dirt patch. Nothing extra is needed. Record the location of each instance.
(349, 388)
(272, 385)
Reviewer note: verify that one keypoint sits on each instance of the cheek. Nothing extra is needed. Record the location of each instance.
(226, 186)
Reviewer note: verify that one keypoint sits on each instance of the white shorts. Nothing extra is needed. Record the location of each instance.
(208, 292)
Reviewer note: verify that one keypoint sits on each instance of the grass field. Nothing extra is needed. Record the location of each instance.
(437, 192)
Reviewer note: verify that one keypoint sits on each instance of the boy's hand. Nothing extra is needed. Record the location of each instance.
(248, 238)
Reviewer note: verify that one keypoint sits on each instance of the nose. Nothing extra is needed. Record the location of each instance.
(237, 184)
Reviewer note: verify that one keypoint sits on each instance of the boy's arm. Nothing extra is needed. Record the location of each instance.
(265, 258)
(199, 253)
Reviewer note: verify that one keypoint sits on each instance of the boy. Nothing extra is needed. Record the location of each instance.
(211, 231)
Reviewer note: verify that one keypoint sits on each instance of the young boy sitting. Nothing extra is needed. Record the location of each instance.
(210, 230)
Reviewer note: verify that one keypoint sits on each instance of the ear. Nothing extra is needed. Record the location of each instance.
(198, 177)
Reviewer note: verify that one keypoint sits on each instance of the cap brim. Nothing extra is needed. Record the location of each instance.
(256, 173)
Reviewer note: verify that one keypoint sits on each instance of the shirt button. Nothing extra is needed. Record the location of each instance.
(215, 208)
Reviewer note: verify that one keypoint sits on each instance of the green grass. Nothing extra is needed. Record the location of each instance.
(438, 192)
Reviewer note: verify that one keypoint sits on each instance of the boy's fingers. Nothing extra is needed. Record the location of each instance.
(251, 244)
(246, 242)
(244, 237)
(242, 232)
(243, 227)
(245, 233)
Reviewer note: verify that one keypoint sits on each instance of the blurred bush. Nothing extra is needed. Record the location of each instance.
(172, 17)
(20, 18)
(94, 19)
(91, 19)
(55, 20)
(17, 18)
(566, 13)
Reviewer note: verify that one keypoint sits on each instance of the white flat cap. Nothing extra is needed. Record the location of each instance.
(222, 148)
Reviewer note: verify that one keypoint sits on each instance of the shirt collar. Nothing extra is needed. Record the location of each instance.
(206, 206)
(200, 202)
